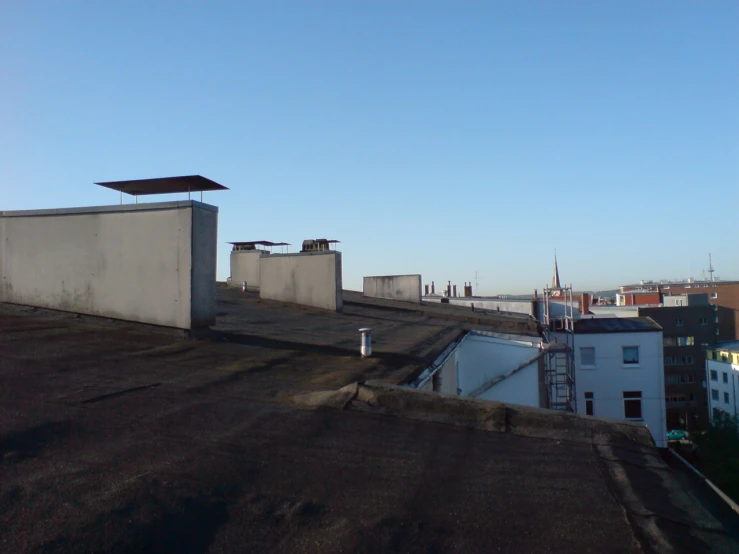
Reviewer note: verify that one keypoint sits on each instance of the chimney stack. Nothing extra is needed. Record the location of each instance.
(455, 291)
(427, 290)
(448, 289)
(585, 300)
(433, 289)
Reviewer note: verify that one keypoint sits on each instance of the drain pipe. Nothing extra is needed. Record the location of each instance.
(366, 347)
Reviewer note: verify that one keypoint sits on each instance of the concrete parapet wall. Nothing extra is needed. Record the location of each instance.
(406, 288)
(151, 263)
(245, 267)
(308, 278)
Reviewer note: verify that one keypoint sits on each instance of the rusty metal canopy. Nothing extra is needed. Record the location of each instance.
(164, 185)
(260, 243)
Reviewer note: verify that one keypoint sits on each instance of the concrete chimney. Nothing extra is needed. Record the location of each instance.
(433, 288)
(455, 290)
(449, 289)
(426, 288)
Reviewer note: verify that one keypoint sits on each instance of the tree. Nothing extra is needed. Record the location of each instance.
(718, 453)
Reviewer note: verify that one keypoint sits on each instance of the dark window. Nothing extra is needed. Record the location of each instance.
(726, 377)
(714, 394)
(714, 375)
(436, 381)
(632, 405)
(679, 322)
(589, 404)
(703, 321)
(631, 354)
(726, 398)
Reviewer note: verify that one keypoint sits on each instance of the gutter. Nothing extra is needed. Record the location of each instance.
(498, 378)
(438, 363)
(718, 492)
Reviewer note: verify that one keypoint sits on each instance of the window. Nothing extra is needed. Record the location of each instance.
(679, 360)
(692, 396)
(589, 404)
(685, 341)
(714, 375)
(669, 341)
(703, 321)
(714, 394)
(714, 295)
(726, 398)
(631, 355)
(679, 378)
(726, 377)
(587, 356)
(632, 404)
(679, 322)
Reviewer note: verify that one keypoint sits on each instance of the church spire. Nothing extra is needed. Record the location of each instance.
(555, 277)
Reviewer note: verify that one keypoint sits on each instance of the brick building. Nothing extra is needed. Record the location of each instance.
(689, 326)
(720, 293)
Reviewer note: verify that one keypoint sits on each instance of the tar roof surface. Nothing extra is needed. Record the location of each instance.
(616, 325)
(114, 437)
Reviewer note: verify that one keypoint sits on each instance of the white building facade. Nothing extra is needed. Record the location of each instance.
(619, 372)
(490, 366)
(722, 379)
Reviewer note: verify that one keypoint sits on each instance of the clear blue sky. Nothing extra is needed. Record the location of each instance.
(430, 137)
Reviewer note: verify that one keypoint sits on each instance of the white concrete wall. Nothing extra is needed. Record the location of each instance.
(610, 377)
(514, 306)
(615, 311)
(307, 278)
(245, 267)
(731, 387)
(406, 288)
(483, 359)
(520, 388)
(151, 263)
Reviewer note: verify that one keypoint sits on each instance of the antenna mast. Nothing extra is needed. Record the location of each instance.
(710, 267)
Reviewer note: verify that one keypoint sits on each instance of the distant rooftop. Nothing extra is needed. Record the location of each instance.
(164, 185)
(681, 282)
(616, 325)
(732, 345)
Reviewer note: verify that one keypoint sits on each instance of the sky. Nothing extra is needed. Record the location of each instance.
(446, 138)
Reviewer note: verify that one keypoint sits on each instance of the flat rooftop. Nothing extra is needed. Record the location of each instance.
(732, 346)
(616, 325)
(257, 437)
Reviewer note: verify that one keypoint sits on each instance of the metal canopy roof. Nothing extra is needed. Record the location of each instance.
(261, 243)
(164, 185)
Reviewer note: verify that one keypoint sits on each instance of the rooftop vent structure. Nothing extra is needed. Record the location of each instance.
(318, 245)
(252, 245)
(163, 185)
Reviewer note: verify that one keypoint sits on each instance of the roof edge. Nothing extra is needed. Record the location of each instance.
(497, 417)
